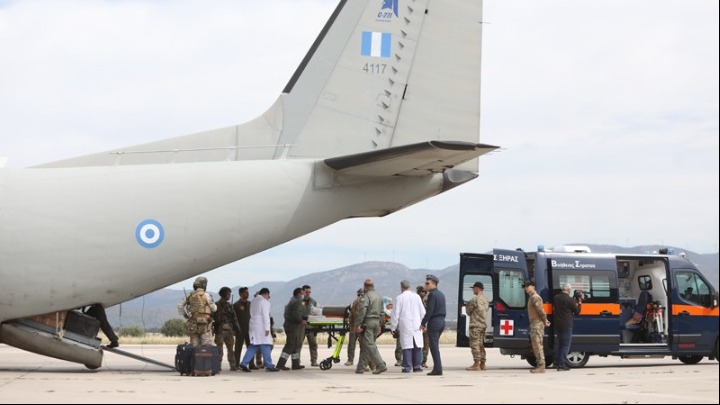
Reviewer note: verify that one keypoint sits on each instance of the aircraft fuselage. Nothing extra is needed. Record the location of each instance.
(110, 234)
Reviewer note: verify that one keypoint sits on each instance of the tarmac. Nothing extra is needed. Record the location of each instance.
(30, 378)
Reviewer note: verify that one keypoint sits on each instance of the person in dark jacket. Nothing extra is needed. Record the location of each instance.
(564, 308)
(434, 321)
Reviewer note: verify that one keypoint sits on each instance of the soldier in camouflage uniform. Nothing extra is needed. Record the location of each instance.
(226, 327)
(352, 336)
(308, 304)
(198, 308)
(538, 323)
(476, 310)
(370, 318)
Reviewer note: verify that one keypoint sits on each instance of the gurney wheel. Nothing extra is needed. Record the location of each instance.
(325, 365)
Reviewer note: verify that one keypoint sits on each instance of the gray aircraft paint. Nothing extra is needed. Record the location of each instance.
(108, 227)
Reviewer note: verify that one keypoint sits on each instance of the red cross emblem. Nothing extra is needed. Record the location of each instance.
(507, 327)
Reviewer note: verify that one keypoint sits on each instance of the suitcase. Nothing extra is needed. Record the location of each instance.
(184, 358)
(206, 361)
(81, 324)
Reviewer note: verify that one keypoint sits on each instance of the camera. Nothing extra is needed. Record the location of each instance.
(578, 296)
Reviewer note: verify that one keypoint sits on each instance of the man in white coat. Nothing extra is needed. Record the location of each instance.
(260, 333)
(405, 319)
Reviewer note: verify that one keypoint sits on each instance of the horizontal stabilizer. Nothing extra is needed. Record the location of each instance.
(418, 159)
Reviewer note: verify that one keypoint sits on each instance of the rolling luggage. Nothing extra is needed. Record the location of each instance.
(206, 361)
(184, 358)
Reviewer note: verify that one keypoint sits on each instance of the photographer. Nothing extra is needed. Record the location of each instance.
(564, 308)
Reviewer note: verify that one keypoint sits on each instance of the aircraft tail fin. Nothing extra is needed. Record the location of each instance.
(381, 74)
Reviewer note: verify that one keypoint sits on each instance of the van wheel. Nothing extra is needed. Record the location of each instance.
(90, 367)
(690, 359)
(577, 359)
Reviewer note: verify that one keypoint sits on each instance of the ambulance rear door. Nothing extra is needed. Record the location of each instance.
(510, 318)
(474, 267)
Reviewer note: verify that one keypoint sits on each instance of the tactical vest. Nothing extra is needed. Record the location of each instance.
(197, 305)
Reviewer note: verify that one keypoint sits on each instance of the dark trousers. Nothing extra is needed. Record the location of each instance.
(97, 311)
(435, 328)
(563, 339)
(243, 339)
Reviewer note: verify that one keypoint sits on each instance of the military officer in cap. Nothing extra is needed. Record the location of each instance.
(538, 323)
(476, 310)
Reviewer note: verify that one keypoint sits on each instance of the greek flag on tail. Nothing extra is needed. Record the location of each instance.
(376, 44)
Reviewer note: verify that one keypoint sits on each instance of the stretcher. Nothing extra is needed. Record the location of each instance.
(334, 320)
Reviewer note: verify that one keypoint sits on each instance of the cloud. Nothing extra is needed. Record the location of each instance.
(607, 114)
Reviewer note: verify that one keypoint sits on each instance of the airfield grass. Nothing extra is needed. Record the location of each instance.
(448, 337)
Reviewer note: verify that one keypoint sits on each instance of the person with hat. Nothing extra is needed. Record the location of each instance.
(198, 308)
(434, 321)
(538, 323)
(476, 310)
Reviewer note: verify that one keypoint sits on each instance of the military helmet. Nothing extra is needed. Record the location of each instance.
(200, 282)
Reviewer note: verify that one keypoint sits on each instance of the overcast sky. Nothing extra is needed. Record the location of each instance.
(607, 112)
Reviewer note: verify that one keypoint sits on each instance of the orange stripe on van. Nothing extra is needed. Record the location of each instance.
(695, 310)
(589, 309)
(596, 309)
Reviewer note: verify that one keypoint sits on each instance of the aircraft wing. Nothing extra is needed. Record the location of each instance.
(418, 159)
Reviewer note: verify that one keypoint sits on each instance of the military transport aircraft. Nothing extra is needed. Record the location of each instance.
(383, 112)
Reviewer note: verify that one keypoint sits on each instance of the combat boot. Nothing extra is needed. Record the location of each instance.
(482, 366)
(539, 369)
(281, 364)
(474, 367)
(296, 364)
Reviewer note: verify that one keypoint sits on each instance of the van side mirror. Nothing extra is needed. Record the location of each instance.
(714, 302)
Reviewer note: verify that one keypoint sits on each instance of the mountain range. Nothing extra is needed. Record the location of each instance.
(338, 287)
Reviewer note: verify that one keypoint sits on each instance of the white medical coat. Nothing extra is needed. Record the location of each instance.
(407, 314)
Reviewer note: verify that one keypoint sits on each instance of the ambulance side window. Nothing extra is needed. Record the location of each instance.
(693, 289)
(598, 286)
(510, 287)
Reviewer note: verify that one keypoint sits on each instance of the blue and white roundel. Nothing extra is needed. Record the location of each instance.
(149, 233)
